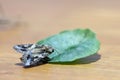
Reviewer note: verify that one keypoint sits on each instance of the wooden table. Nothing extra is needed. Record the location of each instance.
(39, 19)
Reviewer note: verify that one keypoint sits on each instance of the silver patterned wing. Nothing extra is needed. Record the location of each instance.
(33, 54)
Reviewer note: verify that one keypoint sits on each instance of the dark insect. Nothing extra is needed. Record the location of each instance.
(34, 54)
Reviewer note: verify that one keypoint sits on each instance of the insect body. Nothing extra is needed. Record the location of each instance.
(34, 54)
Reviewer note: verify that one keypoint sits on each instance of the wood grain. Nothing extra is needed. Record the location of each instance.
(40, 19)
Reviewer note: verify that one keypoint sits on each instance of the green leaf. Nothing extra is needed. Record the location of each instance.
(72, 45)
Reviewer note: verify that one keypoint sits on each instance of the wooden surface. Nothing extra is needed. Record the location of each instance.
(39, 19)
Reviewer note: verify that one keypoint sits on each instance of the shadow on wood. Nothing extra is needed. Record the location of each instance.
(19, 64)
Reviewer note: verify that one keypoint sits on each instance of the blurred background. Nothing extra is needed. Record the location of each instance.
(27, 21)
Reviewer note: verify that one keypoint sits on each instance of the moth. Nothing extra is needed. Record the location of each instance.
(34, 54)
